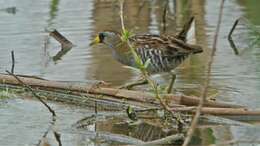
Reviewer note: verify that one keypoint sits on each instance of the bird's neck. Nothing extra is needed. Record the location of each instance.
(121, 52)
(117, 46)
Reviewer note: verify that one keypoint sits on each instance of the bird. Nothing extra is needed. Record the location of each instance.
(165, 52)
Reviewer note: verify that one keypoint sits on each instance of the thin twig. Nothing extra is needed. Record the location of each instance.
(56, 134)
(34, 94)
(13, 61)
(206, 86)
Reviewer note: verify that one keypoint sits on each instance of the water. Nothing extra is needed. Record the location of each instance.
(235, 79)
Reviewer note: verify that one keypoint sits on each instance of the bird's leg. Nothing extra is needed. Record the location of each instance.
(169, 89)
(141, 81)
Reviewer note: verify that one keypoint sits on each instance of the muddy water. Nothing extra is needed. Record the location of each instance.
(23, 28)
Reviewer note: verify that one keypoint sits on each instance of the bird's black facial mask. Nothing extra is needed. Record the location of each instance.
(101, 37)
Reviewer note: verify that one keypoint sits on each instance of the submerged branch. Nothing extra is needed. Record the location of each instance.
(232, 44)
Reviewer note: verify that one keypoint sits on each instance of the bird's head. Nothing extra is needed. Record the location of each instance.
(108, 38)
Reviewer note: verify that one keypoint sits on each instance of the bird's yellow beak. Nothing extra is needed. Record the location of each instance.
(95, 41)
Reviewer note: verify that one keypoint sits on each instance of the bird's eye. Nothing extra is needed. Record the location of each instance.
(101, 37)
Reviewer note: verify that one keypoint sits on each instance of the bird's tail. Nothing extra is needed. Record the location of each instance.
(183, 33)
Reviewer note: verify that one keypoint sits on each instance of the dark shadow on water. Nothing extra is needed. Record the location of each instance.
(10, 10)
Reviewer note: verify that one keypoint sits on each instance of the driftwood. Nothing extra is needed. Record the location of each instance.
(124, 94)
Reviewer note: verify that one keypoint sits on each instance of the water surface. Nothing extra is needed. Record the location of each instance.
(23, 26)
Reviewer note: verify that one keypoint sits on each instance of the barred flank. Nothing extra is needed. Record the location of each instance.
(160, 62)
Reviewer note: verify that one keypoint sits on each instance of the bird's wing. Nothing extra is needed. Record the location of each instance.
(168, 44)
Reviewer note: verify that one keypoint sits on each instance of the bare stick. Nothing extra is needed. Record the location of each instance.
(65, 43)
(230, 37)
(13, 61)
(206, 86)
(110, 93)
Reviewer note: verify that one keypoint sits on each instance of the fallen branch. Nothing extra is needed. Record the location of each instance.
(135, 98)
(138, 96)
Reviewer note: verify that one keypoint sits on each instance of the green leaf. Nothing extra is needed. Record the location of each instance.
(132, 68)
(147, 63)
(126, 35)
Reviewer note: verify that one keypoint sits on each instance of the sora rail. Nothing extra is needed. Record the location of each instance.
(164, 51)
